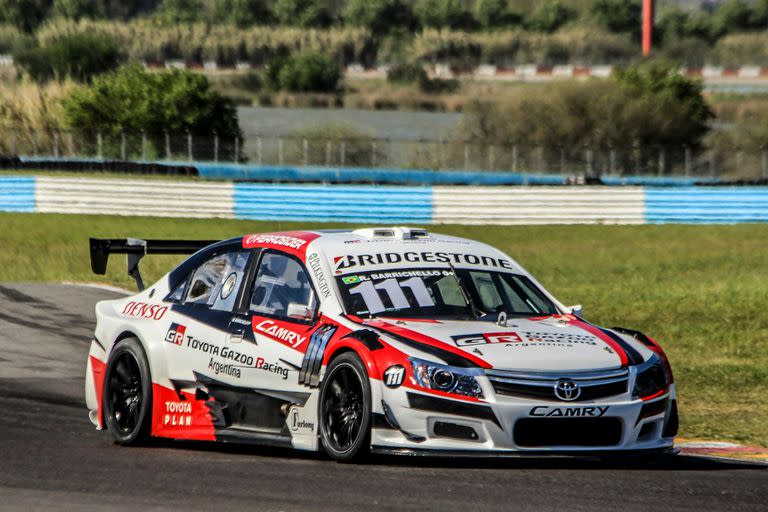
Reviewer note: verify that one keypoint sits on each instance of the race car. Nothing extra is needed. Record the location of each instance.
(379, 340)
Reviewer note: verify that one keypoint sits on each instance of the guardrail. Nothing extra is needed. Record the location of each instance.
(501, 205)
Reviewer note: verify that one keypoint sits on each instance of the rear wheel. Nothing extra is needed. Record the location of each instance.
(345, 409)
(127, 397)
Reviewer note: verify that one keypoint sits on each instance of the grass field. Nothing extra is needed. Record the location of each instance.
(702, 291)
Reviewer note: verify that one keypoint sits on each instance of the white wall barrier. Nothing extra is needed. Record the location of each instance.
(538, 205)
(161, 198)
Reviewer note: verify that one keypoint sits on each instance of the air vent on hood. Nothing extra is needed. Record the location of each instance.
(396, 233)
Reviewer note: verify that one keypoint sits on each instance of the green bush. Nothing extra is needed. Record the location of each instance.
(78, 56)
(303, 72)
(132, 100)
(406, 73)
(646, 106)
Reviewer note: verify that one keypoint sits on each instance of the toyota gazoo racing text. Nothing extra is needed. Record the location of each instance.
(386, 340)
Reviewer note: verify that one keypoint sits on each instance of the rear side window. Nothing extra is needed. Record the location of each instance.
(215, 283)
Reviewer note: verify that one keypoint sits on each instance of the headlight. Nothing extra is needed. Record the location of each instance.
(651, 381)
(449, 379)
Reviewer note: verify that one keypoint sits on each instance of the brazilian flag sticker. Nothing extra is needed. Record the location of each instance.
(350, 279)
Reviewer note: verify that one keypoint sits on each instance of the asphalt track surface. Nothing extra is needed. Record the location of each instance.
(52, 458)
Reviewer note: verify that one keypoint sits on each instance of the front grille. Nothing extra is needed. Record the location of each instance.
(541, 386)
(548, 432)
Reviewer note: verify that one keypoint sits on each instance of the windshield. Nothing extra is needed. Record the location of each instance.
(436, 293)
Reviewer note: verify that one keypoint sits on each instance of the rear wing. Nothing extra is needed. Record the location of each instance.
(135, 249)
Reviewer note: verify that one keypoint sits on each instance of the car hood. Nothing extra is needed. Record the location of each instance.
(556, 343)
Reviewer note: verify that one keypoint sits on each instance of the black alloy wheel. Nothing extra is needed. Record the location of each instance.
(345, 409)
(127, 397)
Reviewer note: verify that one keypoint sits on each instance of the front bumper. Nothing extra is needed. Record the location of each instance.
(413, 422)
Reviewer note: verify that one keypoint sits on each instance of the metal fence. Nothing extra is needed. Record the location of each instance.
(333, 151)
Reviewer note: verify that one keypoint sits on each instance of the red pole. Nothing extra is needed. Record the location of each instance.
(647, 26)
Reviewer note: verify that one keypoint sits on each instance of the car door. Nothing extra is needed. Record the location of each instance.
(199, 322)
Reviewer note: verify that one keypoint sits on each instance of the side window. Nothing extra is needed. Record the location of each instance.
(281, 282)
(215, 282)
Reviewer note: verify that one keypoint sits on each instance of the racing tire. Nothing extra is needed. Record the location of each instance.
(127, 396)
(345, 409)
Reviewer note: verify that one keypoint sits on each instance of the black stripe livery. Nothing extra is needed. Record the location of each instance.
(309, 375)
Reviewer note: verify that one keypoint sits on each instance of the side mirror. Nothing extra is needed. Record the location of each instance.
(576, 310)
(300, 312)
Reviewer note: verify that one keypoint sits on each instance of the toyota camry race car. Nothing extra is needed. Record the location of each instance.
(390, 340)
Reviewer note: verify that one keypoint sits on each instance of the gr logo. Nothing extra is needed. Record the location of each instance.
(175, 333)
(394, 376)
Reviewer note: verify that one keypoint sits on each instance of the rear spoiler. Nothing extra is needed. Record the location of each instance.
(135, 249)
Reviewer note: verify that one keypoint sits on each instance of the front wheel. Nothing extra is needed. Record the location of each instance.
(345, 409)
(127, 397)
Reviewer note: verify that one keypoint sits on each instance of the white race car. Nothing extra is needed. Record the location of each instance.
(388, 340)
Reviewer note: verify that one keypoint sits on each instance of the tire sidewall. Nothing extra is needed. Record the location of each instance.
(141, 432)
(359, 449)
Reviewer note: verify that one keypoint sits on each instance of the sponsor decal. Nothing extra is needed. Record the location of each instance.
(241, 321)
(468, 340)
(144, 310)
(273, 330)
(177, 414)
(569, 412)
(314, 263)
(225, 353)
(393, 376)
(275, 368)
(175, 334)
(296, 423)
(277, 240)
(224, 368)
(341, 263)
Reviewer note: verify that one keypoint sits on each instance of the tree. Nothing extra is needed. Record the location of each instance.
(78, 56)
(303, 13)
(731, 16)
(617, 15)
(122, 9)
(442, 13)
(380, 16)
(172, 12)
(675, 24)
(26, 15)
(680, 100)
(76, 9)
(550, 16)
(243, 13)
(494, 13)
(133, 99)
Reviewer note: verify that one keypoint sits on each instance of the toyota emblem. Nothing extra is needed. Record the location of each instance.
(567, 390)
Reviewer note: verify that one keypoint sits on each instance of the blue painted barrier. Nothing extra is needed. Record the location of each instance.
(694, 205)
(369, 175)
(345, 203)
(17, 193)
